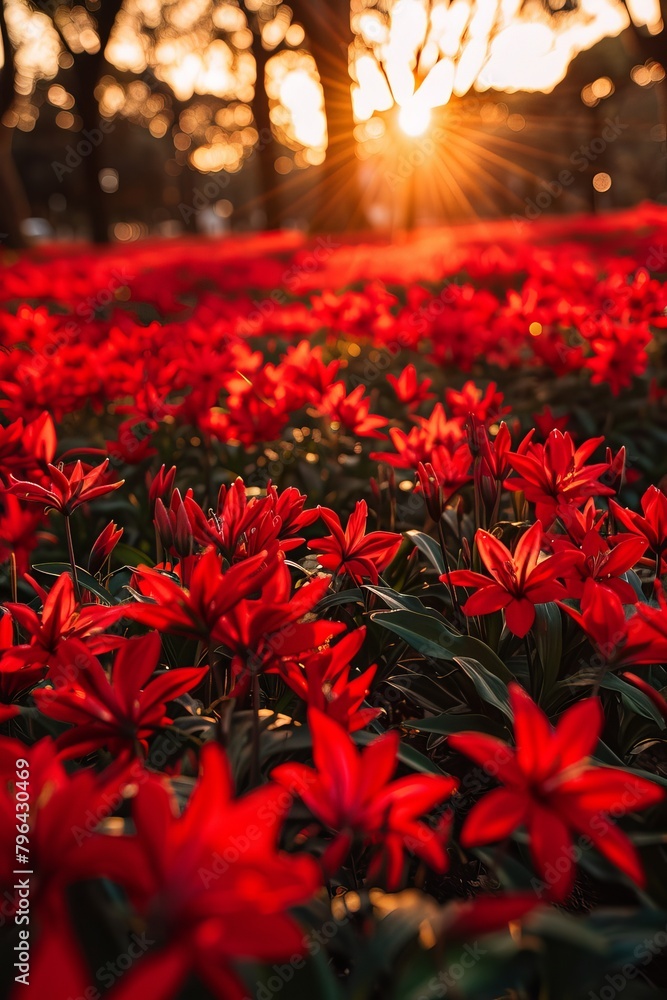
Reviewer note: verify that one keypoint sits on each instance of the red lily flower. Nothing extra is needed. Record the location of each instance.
(434, 435)
(518, 582)
(15, 677)
(442, 477)
(639, 639)
(103, 546)
(324, 683)
(203, 912)
(350, 793)
(351, 411)
(554, 475)
(20, 533)
(620, 358)
(602, 563)
(196, 612)
(409, 390)
(27, 447)
(546, 421)
(161, 485)
(549, 787)
(63, 618)
(486, 405)
(66, 492)
(651, 524)
(243, 526)
(354, 552)
(263, 634)
(116, 713)
(60, 852)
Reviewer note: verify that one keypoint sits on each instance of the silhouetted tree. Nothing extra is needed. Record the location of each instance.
(87, 69)
(329, 36)
(14, 207)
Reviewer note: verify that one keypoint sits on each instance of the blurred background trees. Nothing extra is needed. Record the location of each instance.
(123, 117)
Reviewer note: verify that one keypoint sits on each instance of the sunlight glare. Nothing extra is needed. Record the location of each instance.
(414, 119)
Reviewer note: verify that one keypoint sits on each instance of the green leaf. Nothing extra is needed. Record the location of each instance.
(352, 596)
(406, 754)
(446, 724)
(429, 634)
(430, 549)
(424, 690)
(633, 698)
(86, 581)
(132, 557)
(548, 633)
(489, 687)
(403, 602)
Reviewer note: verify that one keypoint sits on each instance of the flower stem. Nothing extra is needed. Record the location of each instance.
(72, 560)
(13, 576)
(254, 772)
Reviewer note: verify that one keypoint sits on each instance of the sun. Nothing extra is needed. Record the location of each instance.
(414, 120)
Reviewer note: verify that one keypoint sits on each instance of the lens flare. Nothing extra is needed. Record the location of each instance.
(414, 119)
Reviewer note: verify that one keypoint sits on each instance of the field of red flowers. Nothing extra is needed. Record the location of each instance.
(334, 636)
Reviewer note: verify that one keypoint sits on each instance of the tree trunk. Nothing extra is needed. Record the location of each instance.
(266, 146)
(329, 37)
(98, 213)
(87, 71)
(654, 47)
(14, 207)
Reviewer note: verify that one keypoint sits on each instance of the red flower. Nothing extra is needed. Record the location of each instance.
(434, 435)
(602, 563)
(195, 612)
(63, 618)
(549, 787)
(442, 477)
(62, 851)
(264, 633)
(203, 911)
(546, 421)
(242, 527)
(27, 448)
(354, 552)
(351, 795)
(409, 390)
(324, 682)
(103, 546)
(554, 475)
(15, 677)
(652, 525)
(66, 492)
(116, 713)
(518, 582)
(641, 638)
(486, 405)
(352, 412)
(20, 533)
(621, 357)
